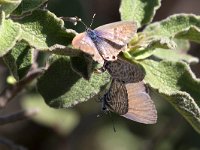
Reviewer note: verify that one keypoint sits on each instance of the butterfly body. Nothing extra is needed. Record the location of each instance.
(107, 41)
(94, 35)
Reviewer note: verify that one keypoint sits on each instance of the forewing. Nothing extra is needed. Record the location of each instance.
(125, 71)
(118, 32)
(117, 98)
(85, 44)
(140, 106)
(108, 50)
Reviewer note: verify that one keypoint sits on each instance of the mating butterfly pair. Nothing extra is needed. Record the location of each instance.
(127, 95)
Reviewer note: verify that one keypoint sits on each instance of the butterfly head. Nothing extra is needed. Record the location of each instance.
(103, 100)
(86, 27)
(106, 110)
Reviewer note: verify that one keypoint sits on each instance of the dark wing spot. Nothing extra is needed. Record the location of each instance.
(114, 57)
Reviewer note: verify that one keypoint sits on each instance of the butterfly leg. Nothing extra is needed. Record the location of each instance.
(100, 70)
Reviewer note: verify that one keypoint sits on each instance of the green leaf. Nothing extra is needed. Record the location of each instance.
(61, 87)
(182, 26)
(192, 34)
(9, 6)
(42, 29)
(144, 46)
(178, 85)
(19, 60)
(64, 50)
(28, 6)
(141, 11)
(182, 45)
(83, 66)
(147, 46)
(62, 121)
(9, 34)
(172, 55)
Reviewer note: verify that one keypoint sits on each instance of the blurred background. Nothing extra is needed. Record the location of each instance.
(79, 128)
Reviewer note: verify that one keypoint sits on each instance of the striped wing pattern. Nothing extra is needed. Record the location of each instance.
(125, 71)
(129, 93)
(116, 100)
(131, 101)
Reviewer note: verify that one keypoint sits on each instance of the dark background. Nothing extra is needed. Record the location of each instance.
(171, 132)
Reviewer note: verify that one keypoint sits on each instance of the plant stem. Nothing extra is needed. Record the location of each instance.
(10, 92)
(21, 115)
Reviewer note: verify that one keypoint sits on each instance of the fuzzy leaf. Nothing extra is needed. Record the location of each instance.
(64, 50)
(192, 33)
(175, 82)
(9, 6)
(182, 45)
(141, 11)
(147, 47)
(28, 5)
(19, 60)
(9, 34)
(61, 87)
(42, 29)
(83, 66)
(182, 26)
(172, 55)
(63, 121)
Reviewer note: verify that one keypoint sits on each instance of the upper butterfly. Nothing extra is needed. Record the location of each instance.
(107, 41)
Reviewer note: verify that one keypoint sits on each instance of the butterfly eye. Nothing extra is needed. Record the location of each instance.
(104, 108)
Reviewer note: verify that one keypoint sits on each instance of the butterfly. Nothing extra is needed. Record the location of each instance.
(131, 101)
(107, 41)
(125, 71)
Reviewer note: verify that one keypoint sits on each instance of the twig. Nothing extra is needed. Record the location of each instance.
(10, 92)
(21, 115)
(11, 145)
(73, 20)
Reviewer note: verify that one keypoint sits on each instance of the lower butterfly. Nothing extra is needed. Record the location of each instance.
(131, 101)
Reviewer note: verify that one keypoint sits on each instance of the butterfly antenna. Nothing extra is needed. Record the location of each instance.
(113, 123)
(100, 115)
(86, 27)
(92, 20)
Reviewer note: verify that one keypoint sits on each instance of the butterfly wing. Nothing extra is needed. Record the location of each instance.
(116, 100)
(118, 32)
(131, 101)
(113, 38)
(125, 71)
(140, 106)
(85, 44)
(108, 49)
